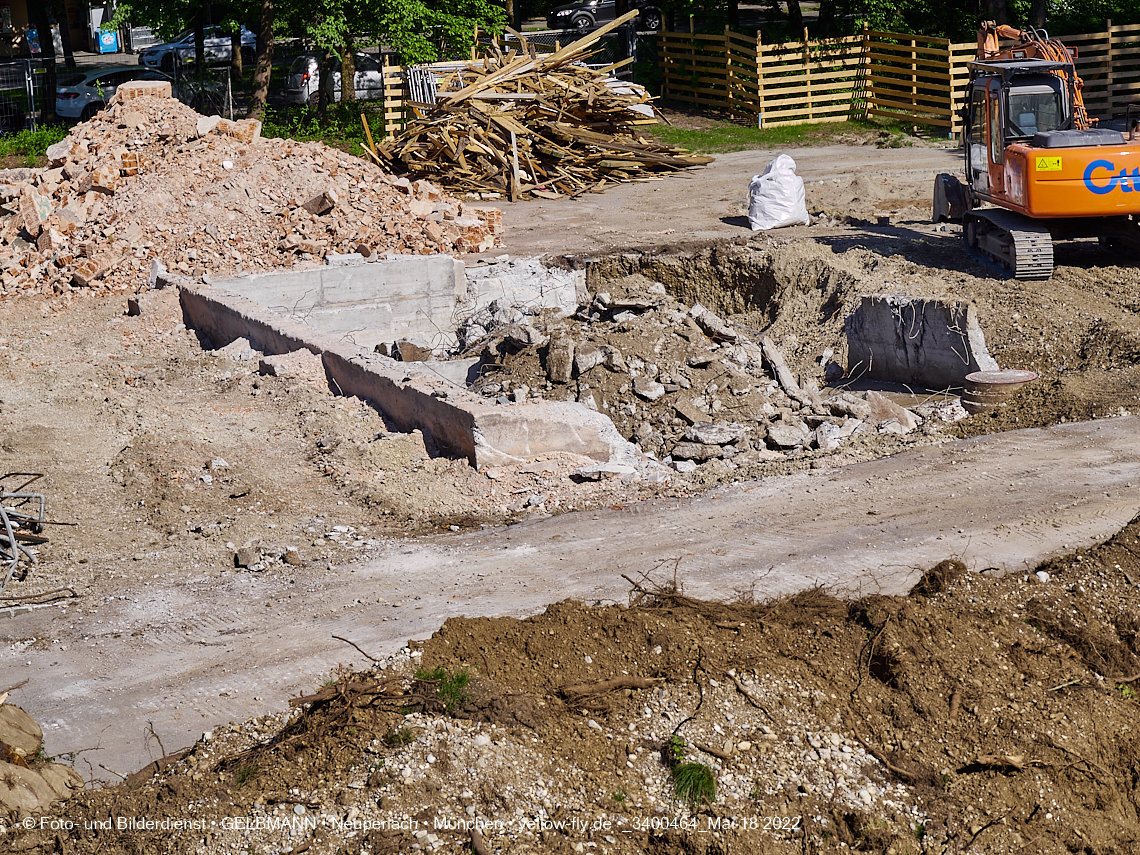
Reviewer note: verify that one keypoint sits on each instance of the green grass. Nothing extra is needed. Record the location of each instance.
(401, 736)
(341, 129)
(32, 145)
(726, 137)
(451, 688)
(694, 784)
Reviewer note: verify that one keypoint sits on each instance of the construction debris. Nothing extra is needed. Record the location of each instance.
(21, 525)
(148, 178)
(682, 383)
(535, 126)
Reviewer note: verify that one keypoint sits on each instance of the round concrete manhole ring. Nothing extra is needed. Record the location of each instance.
(987, 390)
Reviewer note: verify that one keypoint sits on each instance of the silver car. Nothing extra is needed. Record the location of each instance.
(218, 49)
(303, 83)
(83, 94)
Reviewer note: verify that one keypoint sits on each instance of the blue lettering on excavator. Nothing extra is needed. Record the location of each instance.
(1126, 182)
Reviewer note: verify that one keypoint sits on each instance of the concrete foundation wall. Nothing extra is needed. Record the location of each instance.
(366, 304)
(928, 343)
(455, 422)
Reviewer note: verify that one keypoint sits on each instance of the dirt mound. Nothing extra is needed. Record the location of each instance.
(974, 713)
(151, 179)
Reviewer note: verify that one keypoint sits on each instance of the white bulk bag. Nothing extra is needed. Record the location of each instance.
(776, 197)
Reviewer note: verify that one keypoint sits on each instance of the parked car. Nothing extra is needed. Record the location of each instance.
(83, 94)
(586, 15)
(218, 49)
(302, 86)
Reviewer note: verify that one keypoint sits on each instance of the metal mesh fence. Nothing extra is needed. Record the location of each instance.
(23, 86)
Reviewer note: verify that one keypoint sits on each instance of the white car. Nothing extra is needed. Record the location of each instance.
(302, 84)
(83, 94)
(217, 49)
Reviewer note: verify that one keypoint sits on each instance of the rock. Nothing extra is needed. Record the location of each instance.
(206, 124)
(893, 426)
(687, 411)
(606, 472)
(322, 203)
(648, 389)
(883, 409)
(59, 152)
(300, 363)
(413, 350)
(1042, 576)
(846, 404)
(713, 325)
(19, 731)
(247, 556)
(787, 436)
(35, 208)
(827, 436)
(696, 451)
(560, 357)
(685, 466)
(588, 357)
(614, 360)
(710, 434)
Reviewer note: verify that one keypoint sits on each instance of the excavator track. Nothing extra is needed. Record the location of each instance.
(1021, 245)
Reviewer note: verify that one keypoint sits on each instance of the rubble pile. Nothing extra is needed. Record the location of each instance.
(686, 386)
(149, 178)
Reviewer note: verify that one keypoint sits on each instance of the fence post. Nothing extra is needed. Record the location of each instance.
(728, 81)
(868, 69)
(1109, 76)
(663, 62)
(759, 80)
(807, 76)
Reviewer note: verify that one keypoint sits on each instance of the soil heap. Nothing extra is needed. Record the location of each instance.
(149, 178)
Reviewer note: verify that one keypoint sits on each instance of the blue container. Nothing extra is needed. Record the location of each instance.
(108, 41)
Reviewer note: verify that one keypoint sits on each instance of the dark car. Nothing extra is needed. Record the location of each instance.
(586, 15)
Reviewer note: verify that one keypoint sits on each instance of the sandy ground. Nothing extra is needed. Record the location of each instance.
(171, 460)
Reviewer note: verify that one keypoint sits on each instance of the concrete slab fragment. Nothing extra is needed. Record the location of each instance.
(930, 343)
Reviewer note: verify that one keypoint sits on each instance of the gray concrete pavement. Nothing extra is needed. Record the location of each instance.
(188, 657)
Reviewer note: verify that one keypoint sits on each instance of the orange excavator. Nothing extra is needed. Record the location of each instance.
(1037, 168)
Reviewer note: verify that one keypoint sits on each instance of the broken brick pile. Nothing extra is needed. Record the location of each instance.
(149, 178)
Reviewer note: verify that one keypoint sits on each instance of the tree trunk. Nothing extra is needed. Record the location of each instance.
(1037, 14)
(264, 60)
(826, 24)
(347, 73)
(996, 10)
(199, 46)
(47, 53)
(795, 19)
(235, 58)
(734, 14)
(324, 90)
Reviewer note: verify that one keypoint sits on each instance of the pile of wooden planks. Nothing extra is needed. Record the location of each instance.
(524, 124)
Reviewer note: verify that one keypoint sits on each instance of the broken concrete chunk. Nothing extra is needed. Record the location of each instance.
(787, 436)
(649, 390)
(247, 556)
(420, 208)
(607, 472)
(932, 343)
(300, 363)
(20, 731)
(588, 357)
(846, 404)
(321, 204)
(884, 409)
(696, 451)
(688, 411)
(206, 124)
(247, 131)
(560, 357)
(827, 436)
(412, 350)
(35, 208)
(712, 434)
(57, 153)
(96, 268)
(712, 325)
(105, 178)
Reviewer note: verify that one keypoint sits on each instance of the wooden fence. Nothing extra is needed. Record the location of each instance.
(895, 75)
